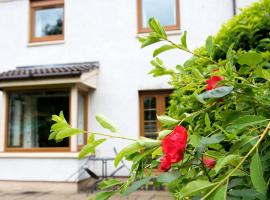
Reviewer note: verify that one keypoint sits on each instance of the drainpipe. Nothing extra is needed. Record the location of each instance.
(234, 7)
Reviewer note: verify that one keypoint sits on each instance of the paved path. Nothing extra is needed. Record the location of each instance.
(28, 195)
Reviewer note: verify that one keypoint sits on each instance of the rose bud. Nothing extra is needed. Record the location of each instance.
(209, 162)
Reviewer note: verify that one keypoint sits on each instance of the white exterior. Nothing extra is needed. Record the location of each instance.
(104, 31)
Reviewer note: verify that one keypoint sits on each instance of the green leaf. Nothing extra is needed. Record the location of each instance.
(157, 152)
(207, 121)
(214, 139)
(209, 44)
(220, 193)
(91, 138)
(130, 149)
(109, 183)
(195, 187)
(162, 49)
(184, 40)
(151, 39)
(249, 58)
(195, 140)
(104, 195)
(167, 121)
(106, 123)
(222, 162)
(90, 148)
(148, 143)
(215, 93)
(67, 133)
(163, 134)
(256, 174)
(136, 185)
(247, 120)
(167, 177)
(156, 27)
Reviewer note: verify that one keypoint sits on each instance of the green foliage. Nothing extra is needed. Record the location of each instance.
(228, 123)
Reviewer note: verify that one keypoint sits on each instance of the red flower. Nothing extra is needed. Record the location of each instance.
(173, 147)
(209, 162)
(213, 81)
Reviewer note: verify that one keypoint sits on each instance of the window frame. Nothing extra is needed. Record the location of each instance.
(86, 107)
(160, 96)
(41, 149)
(38, 4)
(142, 29)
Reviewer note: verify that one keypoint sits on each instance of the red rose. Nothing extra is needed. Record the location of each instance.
(209, 162)
(213, 81)
(173, 147)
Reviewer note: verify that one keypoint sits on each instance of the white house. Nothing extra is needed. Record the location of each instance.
(83, 57)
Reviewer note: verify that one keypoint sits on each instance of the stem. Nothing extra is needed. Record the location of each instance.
(241, 162)
(112, 136)
(193, 53)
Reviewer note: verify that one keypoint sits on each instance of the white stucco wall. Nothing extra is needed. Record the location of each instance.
(104, 31)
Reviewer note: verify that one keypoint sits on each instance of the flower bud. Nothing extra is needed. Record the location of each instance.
(209, 162)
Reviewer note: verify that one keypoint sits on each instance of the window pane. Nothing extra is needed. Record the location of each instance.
(81, 119)
(49, 22)
(163, 10)
(150, 121)
(167, 102)
(30, 118)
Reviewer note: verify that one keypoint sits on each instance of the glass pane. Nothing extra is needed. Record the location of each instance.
(81, 119)
(163, 10)
(149, 102)
(150, 127)
(49, 22)
(29, 120)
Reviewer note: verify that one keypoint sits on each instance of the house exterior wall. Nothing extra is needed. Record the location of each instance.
(104, 31)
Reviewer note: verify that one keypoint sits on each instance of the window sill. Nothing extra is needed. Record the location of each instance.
(39, 155)
(35, 44)
(169, 33)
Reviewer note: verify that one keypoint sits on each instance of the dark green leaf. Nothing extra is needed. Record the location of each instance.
(195, 187)
(168, 177)
(214, 139)
(256, 174)
(222, 162)
(136, 185)
(247, 120)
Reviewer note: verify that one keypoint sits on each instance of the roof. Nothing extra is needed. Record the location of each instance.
(48, 71)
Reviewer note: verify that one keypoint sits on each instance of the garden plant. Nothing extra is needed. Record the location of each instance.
(215, 142)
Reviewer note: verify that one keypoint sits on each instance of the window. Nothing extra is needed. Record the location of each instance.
(29, 118)
(46, 20)
(152, 103)
(82, 117)
(166, 11)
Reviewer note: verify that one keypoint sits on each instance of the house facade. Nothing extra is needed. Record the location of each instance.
(83, 57)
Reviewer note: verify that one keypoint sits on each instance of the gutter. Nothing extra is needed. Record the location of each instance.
(234, 7)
